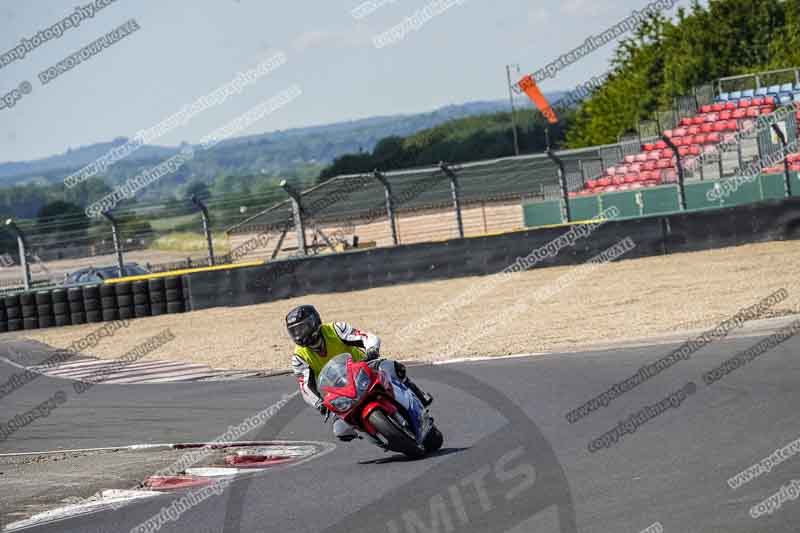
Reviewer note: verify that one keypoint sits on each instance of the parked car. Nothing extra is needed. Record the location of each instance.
(99, 274)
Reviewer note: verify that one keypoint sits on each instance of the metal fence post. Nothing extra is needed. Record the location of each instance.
(562, 183)
(206, 227)
(22, 244)
(297, 209)
(115, 237)
(786, 174)
(679, 166)
(387, 188)
(456, 193)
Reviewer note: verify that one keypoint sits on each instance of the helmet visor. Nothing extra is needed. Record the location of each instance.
(303, 332)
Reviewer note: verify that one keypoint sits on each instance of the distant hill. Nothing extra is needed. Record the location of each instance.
(297, 153)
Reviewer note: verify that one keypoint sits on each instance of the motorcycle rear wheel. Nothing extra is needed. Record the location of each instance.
(433, 440)
(398, 440)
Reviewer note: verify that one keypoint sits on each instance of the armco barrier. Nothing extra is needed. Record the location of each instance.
(655, 235)
(92, 303)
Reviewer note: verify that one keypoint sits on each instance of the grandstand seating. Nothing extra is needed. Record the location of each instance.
(714, 123)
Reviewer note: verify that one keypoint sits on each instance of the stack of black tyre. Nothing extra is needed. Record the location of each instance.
(13, 313)
(124, 294)
(44, 309)
(61, 313)
(108, 303)
(174, 295)
(92, 303)
(3, 317)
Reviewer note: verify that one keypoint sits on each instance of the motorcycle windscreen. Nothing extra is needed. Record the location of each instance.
(334, 374)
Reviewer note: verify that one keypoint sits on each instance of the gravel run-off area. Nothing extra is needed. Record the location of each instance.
(616, 302)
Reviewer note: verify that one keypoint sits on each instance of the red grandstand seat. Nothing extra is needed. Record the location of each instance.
(752, 112)
(741, 113)
(634, 168)
(630, 158)
(766, 110)
(712, 117)
(718, 107)
(757, 101)
(732, 125)
(695, 149)
(680, 132)
(707, 127)
(604, 182)
(683, 151)
(769, 100)
(664, 163)
(685, 121)
(728, 136)
(622, 169)
(617, 180)
(641, 158)
(666, 154)
(677, 141)
(649, 147)
(747, 124)
(660, 145)
(694, 130)
(744, 102)
(654, 155)
(631, 178)
(730, 106)
(591, 184)
(669, 133)
(647, 175)
(706, 109)
(722, 125)
(700, 139)
(713, 137)
(650, 165)
(699, 119)
(725, 115)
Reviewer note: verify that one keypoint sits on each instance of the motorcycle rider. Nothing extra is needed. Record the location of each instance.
(316, 343)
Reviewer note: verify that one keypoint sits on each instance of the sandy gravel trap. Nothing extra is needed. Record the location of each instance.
(561, 308)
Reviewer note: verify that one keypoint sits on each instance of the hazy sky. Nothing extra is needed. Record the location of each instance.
(187, 48)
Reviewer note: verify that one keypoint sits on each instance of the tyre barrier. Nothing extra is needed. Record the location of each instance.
(89, 304)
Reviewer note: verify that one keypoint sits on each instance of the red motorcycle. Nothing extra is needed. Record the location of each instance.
(371, 398)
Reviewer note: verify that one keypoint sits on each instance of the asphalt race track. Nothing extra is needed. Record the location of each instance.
(511, 461)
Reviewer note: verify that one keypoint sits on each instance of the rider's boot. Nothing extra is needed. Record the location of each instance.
(344, 431)
(425, 398)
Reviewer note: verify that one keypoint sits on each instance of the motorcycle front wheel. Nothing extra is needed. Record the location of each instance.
(397, 439)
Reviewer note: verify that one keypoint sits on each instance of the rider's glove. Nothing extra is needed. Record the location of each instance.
(371, 354)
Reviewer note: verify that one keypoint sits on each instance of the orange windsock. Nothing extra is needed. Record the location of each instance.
(528, 85)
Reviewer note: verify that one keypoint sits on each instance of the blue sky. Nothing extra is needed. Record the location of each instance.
(187, 48)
